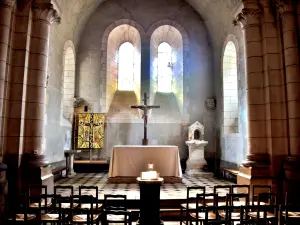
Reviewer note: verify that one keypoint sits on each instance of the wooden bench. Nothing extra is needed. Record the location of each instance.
(59, 170)
(230, 174)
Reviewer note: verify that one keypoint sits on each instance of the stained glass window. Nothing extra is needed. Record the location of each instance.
(164, 67)
(126, 67)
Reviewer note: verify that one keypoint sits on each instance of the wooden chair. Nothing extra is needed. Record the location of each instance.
(113, 203)
(69, 188)
(118, 216)
(233, 204)
(66, 202)
(259, 189)
(22, 214)
(221, 191)
(50, 214)
(80, 216)
(190, 201)
(90, 203)
(198, 214)
(211, 220)
(34, 192)
(96, 204)
(289, 213)
(267, 210)
(245, 219)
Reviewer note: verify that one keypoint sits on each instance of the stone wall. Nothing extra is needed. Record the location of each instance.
(165, 124)
(207, 40)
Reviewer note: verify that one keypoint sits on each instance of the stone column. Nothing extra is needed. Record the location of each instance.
(6, 8)
(288, 14)
(250, 18)
(276, 117)
(43, 14)
(291, 63)
(256, 168)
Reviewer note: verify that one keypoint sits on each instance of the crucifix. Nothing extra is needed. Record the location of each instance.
(145, 108)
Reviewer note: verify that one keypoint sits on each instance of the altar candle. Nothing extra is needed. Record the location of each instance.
(150, 166)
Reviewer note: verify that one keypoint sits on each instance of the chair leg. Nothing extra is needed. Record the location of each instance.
(181, 216)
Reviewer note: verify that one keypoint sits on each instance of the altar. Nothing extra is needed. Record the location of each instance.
(128, 161)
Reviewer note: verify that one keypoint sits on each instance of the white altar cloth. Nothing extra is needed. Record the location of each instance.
(131, 160)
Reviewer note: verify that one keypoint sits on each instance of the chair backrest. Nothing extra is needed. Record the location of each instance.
(66, 200)
(267, 198)
(115, 202)
(203, 199)
(196, 189)
(89, 189)
(222, 190)
(48, 202)
(88, 201)
(240, 188)
(237, 199)
(64, 188)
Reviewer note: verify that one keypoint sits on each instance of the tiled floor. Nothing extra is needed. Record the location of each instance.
(168, 191)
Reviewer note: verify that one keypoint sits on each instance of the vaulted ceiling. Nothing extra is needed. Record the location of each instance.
(215, 13)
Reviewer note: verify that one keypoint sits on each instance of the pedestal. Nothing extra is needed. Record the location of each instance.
(196, 161)
(150, 201)
(70, 161)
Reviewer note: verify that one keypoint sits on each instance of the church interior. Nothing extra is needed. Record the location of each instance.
(149, 112)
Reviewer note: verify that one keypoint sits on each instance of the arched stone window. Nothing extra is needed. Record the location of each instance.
(230, 90)
(68, 84)
(126, 67)
(166, 71)
(123, 62)
(164, 67)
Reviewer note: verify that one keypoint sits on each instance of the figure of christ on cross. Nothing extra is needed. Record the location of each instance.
(145, 108)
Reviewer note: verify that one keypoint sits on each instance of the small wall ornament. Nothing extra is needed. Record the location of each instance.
(211, 103)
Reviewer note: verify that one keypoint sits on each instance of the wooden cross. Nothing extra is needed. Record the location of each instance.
(145, 108)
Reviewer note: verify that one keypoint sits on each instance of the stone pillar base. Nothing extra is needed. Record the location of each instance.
(35, 171)
(254, 176)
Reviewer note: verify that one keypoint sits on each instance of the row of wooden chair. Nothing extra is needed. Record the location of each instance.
(54, 208)
(232, 203)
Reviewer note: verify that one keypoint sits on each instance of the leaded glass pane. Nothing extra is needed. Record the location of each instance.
(164, 67)
(126, 67)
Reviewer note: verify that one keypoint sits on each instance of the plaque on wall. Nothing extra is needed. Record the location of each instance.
(91, 130)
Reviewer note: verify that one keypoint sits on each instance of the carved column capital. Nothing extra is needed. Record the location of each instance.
(7, 3)
(285, 7)
(44, 10)
(248, 17)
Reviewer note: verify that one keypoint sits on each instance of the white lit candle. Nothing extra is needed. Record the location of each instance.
(150, 166)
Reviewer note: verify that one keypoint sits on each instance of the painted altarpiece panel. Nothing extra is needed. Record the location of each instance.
(90, 130)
